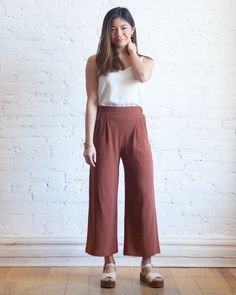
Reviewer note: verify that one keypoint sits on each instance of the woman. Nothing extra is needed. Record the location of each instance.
(116, 129)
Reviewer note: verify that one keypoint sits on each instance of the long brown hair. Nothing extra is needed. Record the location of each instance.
(107, 59)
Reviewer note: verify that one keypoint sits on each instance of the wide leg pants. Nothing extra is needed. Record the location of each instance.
(121, 133)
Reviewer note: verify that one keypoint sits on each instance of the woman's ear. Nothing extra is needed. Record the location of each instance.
(133, 30)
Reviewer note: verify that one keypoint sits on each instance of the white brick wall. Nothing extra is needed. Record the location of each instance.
(189, 105)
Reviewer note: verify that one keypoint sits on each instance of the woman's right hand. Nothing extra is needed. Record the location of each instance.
(90, 155)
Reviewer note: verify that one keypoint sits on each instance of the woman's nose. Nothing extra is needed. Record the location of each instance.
(119, 33)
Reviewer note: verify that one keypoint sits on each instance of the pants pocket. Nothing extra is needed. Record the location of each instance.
(144, 126)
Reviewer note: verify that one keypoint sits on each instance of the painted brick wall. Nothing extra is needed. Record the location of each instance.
(189, 104)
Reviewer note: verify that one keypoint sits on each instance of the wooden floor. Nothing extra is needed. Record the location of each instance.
(86, 280)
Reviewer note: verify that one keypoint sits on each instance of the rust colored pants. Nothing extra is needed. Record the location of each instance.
(121, 133)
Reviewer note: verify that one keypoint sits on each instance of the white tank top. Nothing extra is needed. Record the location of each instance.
(120, 89)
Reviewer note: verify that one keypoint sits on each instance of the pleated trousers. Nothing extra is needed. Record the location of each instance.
(121, 133)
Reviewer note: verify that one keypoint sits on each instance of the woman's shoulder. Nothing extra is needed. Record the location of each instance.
(91, 61)
(91, 65)
(146, 58)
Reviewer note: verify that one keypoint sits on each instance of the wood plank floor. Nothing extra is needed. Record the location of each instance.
(86, 280)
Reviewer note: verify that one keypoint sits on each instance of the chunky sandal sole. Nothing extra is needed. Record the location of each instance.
(108, 284)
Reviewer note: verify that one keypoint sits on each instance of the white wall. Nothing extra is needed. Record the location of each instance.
(189, 104)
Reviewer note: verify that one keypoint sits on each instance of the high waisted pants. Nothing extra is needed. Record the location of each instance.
(121, 133)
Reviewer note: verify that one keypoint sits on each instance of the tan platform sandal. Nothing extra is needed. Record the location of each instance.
(108, 279)
(152, 279)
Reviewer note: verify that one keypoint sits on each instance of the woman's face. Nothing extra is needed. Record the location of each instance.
(121, 32)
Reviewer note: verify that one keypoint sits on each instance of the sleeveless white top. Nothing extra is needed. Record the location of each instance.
(120, 89)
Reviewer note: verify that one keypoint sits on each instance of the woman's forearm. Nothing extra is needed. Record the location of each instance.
(90, 118)
(142, 71)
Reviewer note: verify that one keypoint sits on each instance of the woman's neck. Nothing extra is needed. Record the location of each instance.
(122, 51)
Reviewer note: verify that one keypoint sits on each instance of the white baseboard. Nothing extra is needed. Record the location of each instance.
(175, 252)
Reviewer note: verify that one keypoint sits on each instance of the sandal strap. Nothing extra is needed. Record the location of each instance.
(147, 264)
(109, 274)
(152, 275)
(109, 264)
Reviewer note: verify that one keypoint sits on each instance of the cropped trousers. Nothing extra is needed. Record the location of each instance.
(121, 133)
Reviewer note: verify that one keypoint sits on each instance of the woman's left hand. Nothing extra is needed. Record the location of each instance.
(131, 47)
